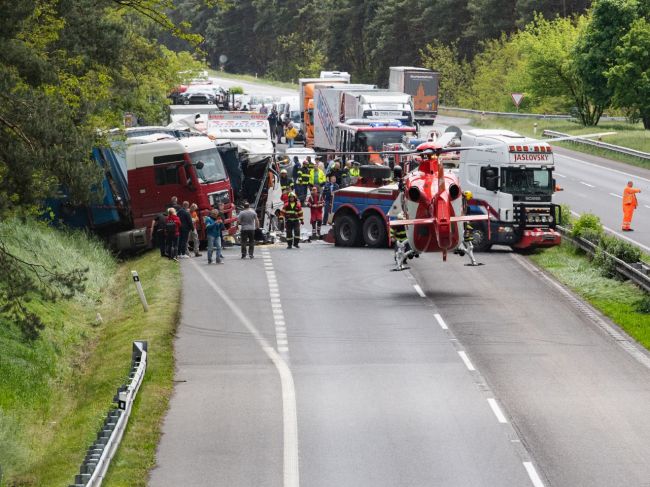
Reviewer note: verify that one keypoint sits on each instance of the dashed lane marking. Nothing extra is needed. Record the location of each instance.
(466, 361)
(440, 321)
(559, 175)
(605, 168)
(587, 184)
(419, 290)
(497, 410)
(532, 473)
(291, 469)
(616, 195)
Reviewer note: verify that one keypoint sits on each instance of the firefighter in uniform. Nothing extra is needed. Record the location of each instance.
(466, 246)
(403, 249)
(293, 219)
(285, 181)
(303, 179)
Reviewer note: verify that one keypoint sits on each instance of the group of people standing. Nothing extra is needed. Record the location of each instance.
(280, 125)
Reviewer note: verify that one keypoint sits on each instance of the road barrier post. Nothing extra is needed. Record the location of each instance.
(138, 286)
(535, 128)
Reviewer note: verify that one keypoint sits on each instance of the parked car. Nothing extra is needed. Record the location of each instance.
(198, 95)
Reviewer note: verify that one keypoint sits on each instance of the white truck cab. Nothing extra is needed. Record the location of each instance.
(378, 104)
(512, 180)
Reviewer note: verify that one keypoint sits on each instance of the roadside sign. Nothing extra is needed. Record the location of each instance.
(516, 98)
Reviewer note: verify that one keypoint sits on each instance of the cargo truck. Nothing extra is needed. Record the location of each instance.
(378, 105)
(422, 84)
(513, 181)
(306, 101)
(141, 174)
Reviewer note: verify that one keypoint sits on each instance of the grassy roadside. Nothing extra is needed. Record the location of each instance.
(55, 391)
(627, 135)
(252, 79)
(617, 300)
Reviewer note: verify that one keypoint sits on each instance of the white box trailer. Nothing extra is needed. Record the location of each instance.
(378, 105)
(328, 112)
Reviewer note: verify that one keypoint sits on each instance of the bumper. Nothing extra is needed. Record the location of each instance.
(538, 238)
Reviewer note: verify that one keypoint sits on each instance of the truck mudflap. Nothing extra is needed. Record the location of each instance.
(538, 237)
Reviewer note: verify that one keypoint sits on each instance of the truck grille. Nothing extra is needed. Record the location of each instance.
(219, 197)
(535, 216)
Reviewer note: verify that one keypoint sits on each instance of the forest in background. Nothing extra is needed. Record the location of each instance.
(573, 56)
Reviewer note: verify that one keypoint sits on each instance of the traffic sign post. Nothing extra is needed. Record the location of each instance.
(516, 98)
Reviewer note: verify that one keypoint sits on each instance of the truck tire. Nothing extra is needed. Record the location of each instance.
(481, 242)
(375, 172)
(374, 232)
(346, 231)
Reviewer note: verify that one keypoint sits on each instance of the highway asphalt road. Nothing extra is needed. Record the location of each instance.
(325, 355)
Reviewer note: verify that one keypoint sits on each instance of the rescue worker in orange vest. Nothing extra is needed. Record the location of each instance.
(629, 205)
(293, 218)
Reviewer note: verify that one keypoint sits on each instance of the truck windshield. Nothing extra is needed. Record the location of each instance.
(213, 169)
(375, 142)
(526, 181)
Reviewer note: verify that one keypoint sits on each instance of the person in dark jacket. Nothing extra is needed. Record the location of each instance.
(158, 232)
(172, 232)
(214, 229)
(296, 169)
(328, 197)
(187, 225)
(293, 218)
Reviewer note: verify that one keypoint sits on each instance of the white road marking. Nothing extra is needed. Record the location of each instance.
(291, 469)
(604, 168)
(619, 234)
(497, 410)
(559, 175)
(440, 321)
(587, 184)
(532, 473)
(466, 360)
(419, 290)
(647, 206)
(616, 195)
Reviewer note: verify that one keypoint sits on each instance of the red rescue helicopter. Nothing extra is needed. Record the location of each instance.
(430, 203)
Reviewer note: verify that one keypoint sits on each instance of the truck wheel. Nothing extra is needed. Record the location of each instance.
(481, 242)
(374, 232)
(375, 172)
(346, 231)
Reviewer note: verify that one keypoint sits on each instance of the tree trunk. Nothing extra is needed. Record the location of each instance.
(645, 116)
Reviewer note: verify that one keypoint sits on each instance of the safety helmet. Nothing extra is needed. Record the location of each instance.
(468, 195)
(283, 171)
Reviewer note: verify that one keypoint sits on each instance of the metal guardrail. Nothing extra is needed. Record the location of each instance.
(638, 273)
(538, 116)
(98, 457)
(601, 145)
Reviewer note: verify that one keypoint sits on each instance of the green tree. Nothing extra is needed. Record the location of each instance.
(595, 50)
(454, 73)
(629, 79)
(551, 67)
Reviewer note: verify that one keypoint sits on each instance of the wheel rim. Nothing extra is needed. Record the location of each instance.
(346, 232)
(373, 232)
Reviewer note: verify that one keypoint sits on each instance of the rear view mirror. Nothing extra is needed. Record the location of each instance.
(199, 165)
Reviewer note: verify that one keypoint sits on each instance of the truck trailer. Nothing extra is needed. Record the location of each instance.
(307, 86)
(422, 84)
(378, 105)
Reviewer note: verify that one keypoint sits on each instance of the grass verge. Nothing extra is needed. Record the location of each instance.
(252, 79)
(616, 299)
(627, 135)
(55, 391)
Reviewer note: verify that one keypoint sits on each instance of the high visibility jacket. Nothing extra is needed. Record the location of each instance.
(285, 183)
(303, 176)
(317, 176)
(292, 211)
(292, 133)
(398, 233)
(354, 172)
(629, 196)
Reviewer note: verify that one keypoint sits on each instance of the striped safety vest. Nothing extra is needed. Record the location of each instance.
(292, 212)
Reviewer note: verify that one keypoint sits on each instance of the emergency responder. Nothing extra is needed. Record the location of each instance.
(466, 246)
(285, 180)
(629, 205)
(317, 176)
(315, 204)
(354, 172)
(303, 179)
(293, 218)
(401, 244)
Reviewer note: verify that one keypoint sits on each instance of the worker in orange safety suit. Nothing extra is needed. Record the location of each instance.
(629, 205)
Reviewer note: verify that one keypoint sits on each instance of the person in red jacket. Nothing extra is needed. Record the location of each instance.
(315, 204)
(172, 232)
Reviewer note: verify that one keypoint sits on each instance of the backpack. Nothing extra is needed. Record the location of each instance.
(170, 229)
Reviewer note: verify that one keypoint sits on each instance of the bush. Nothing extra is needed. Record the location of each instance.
(605, 263)
(587, 224)
(620, 249)
(643, 304)
(236, 90)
